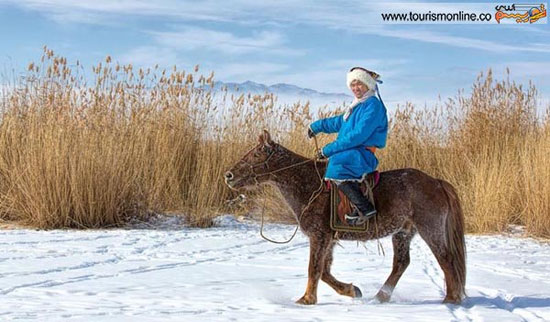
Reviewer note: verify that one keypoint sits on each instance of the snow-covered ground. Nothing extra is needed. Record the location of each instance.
(169, 272)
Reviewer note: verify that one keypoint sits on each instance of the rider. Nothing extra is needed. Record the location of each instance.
(361, 129)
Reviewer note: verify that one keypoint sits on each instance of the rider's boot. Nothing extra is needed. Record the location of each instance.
(363, 209)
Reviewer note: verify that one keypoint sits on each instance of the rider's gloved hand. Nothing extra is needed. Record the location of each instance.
(320, 155)
(310, 133)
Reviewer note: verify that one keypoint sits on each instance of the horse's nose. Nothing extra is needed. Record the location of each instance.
(228, 175)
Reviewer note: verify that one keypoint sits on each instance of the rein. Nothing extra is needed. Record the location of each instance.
(313, 196)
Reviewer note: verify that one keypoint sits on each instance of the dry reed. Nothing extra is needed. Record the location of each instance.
(132, 142)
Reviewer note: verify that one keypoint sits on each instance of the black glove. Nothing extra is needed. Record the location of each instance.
(310, 133)
(320, 155)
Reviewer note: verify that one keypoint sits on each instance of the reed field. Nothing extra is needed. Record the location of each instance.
(83, 150)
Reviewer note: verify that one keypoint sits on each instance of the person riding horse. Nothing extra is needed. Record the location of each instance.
(361, 130)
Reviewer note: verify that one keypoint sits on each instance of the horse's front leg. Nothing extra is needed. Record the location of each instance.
(342, 288)
(317, 255)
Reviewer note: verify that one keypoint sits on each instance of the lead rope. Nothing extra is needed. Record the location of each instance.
(379, 244)
(313, 196)
(380, 248)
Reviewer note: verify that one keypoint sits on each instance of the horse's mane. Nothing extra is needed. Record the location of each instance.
(296, 155)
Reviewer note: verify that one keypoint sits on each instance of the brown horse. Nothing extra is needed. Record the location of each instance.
(407, 200)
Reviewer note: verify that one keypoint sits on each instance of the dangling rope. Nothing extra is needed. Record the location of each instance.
(378, 243)
(370, 194)
(313, 196)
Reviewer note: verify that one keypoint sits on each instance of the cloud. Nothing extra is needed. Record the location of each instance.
(149, 56)
(321, 76)
(238, 72)
(351, 16)
(225, 36)
(92, 12)
(526, 69)
(195, 38)
(455, 41)
(98, 10)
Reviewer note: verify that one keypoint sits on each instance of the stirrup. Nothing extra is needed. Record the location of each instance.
(357, 219)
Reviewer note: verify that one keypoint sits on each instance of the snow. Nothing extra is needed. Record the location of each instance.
(165, 271)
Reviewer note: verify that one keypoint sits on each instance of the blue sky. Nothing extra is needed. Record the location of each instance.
(307, 43)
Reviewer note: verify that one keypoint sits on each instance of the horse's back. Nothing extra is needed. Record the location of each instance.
(411, 193)
(402, 182)
(407, 180)
(404, 198)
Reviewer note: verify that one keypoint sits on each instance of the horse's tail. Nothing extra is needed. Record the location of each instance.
(455, 235)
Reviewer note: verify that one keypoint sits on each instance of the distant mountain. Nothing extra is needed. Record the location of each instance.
(286, 93)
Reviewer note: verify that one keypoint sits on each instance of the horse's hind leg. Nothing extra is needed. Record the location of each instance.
(401, 259)
(437, 243)
(341, 288)
(317, 255)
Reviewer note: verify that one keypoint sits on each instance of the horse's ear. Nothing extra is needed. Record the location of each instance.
(265, 138)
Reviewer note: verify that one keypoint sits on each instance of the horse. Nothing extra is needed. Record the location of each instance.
(408, 201)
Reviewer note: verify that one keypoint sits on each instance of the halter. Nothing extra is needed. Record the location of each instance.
(255, 175)
(313, 196)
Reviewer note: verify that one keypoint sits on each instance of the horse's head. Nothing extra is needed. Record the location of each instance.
(255, 166)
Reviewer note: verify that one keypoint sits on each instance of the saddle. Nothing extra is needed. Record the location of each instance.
(340, 204)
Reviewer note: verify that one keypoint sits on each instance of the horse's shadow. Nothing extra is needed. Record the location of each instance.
(518, 302)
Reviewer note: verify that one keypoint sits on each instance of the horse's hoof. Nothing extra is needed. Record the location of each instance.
(383, 297)
(357, 292)
(450, 300)
(307, 300)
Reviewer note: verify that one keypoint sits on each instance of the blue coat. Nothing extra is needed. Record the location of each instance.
(367, 125)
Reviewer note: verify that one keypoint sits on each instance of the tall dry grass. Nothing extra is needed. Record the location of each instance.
(131, 142)
(80, 151)
(491, 145)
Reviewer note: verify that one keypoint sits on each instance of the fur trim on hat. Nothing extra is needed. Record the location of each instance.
(362, 76)
(367, 77)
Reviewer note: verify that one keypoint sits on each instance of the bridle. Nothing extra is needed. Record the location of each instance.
(313, 196)
(264, 163)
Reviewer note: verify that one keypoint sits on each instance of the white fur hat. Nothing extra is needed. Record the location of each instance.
(365, 76)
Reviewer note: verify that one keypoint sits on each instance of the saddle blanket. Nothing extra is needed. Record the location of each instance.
(340, 204)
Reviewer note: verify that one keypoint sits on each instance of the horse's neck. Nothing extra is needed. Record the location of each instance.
(298, 183)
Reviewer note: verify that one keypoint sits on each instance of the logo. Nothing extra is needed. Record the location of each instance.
(522, 13)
